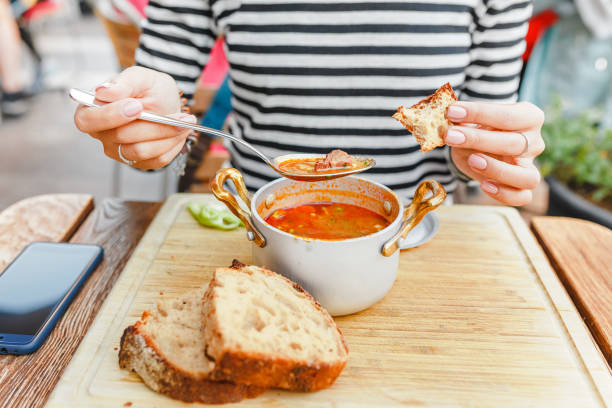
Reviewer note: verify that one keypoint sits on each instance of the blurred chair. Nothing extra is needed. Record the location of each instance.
(122, 19)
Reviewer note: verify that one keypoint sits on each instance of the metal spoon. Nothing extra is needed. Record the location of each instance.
(89, 99)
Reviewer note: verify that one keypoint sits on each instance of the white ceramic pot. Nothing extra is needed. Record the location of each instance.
(345, 276)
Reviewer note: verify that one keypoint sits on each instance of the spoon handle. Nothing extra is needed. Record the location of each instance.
(89, 99)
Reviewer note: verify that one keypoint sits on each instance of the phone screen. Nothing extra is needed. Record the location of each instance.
(37, 280)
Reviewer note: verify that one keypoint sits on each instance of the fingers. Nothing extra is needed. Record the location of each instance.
(518, 116)
(141, 131)
(160, 161)
(96, 119)
(132, 82)
(140, 152)
(148, 155)
(508, 183)
(506, 194)
(523, 175)
(127, 95)
(156, 90)
(149, 150)
(495, 142)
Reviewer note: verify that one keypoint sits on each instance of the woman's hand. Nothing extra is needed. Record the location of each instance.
(499, 151)
(149, 145)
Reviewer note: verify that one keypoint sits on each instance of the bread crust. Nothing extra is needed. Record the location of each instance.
(139, 353)
(420, 131)
(263, 370)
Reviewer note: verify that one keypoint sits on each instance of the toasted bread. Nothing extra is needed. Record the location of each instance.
(166, 349)
(264, 330)
(427, 118)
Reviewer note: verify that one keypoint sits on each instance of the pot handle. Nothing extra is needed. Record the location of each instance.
(414, 213)
(216, 185)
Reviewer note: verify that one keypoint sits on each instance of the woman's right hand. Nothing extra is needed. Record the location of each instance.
(149, 145)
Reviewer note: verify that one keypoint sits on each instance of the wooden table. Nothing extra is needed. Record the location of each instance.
(27, 381)
(581, 254)
(116, 225)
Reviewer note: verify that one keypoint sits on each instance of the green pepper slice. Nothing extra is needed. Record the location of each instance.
(210, 217)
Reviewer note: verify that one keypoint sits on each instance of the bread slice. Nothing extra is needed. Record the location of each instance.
(165, 348)
(427, 118)
(262, 329)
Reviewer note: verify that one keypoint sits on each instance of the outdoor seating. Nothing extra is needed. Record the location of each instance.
(328, 203)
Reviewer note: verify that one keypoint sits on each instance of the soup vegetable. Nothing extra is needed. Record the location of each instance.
(334, 162)
(330, 221)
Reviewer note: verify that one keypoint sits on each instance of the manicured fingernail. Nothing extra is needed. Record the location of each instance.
(489, 187)
(456, 112)
(132, 108)
(104, 85)
(477, 162)
(185, 117)
(454, 137)
(188, 118)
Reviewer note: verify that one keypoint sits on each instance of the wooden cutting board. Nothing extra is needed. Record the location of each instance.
(476, 318)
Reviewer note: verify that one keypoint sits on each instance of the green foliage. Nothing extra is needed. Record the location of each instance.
(578, 153)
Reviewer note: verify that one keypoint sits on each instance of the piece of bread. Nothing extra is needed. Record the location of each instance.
(427, 118)
(166, 349)
(262, 329)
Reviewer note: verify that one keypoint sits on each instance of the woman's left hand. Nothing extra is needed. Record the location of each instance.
(499, 151)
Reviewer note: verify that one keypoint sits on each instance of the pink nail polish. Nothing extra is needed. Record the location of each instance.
(477, 162)
(489, 187)
(189, 118)
(185, 117)
(456, 112)
(454, 137)
(132, 108)
(104, 85)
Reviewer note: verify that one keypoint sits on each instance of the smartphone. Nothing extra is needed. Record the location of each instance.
(37, 287)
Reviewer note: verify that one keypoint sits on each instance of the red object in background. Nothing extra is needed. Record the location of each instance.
(217, 66)
(140, 6)
(41, 10)
(133, 10)
(538, 25)
(217, 147)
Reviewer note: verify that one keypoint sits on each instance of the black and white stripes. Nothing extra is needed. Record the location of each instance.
(315, 75)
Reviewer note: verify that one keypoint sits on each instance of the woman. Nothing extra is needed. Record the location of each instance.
(309, 77)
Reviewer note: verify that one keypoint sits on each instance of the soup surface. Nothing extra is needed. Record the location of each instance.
(331, 221)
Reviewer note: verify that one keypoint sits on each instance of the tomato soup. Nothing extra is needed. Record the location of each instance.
(330, 221)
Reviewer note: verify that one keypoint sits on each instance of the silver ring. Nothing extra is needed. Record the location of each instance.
(526, 149)
(123, 159)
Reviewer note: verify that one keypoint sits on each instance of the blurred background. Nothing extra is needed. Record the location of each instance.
(48, 46)
(41, 151)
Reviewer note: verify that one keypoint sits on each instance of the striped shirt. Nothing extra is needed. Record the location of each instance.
(310, 76)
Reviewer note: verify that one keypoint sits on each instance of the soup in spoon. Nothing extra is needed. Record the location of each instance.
(334, 162)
